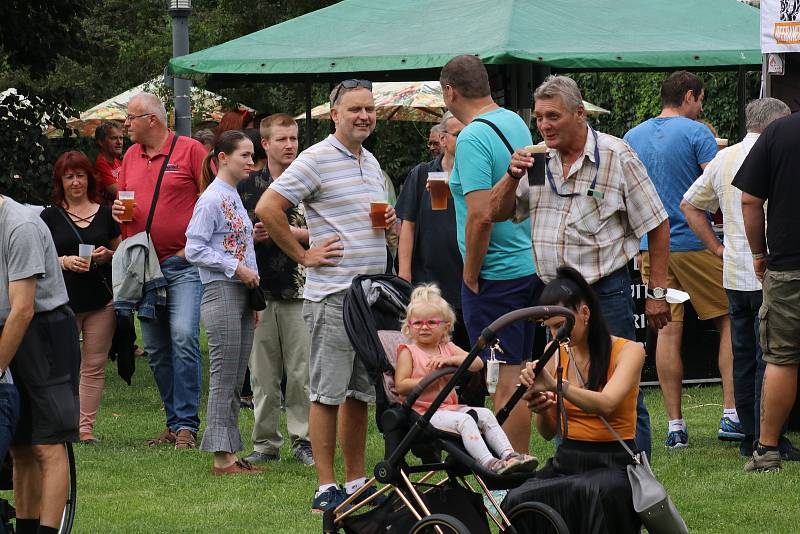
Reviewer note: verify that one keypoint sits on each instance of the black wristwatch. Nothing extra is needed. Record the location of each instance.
(657, 293)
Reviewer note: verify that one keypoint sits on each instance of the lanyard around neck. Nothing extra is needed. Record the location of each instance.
(592, 191)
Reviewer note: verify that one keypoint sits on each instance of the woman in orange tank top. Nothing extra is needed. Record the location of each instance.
(586, 480)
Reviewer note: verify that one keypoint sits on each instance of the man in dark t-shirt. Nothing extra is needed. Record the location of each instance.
(428, 251)
(770, 173)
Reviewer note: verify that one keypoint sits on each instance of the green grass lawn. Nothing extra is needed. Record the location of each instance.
(125, 487)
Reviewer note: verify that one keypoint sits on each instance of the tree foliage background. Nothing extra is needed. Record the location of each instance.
(73, 54)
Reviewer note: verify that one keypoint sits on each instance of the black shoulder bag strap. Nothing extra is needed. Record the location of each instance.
(153, 206)
(494, 127)
(72, 225)
(158, 186)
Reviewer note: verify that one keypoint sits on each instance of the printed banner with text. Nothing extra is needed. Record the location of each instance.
(780, 26)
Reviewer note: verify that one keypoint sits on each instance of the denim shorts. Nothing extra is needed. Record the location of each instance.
(496, 298)
(335, 373)
(9, 413)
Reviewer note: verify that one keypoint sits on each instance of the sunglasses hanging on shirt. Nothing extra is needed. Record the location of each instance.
(592, 191)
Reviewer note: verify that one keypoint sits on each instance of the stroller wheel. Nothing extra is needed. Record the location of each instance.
(537, 518)
(447, 524)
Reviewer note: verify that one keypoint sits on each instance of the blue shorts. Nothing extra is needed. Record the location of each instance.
(496, 298)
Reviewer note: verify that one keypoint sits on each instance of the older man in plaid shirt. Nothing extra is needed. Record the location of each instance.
(595, 204)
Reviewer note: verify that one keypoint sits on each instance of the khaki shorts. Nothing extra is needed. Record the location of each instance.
(335, 373)
(779, 318)
(699, 273)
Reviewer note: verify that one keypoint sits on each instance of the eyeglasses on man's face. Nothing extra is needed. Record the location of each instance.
(131, 118)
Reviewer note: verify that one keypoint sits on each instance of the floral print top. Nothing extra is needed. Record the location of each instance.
(281, 277)
(220, 234)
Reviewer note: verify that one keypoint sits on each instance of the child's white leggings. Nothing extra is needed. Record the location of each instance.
(461, 422)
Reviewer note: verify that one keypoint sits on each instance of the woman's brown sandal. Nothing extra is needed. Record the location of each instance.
(166, 437)
(184, 439)
(239, 467)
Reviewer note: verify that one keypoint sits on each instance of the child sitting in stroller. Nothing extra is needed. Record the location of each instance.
(428, 322)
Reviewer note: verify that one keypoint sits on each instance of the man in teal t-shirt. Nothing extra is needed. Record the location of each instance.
(499, 274)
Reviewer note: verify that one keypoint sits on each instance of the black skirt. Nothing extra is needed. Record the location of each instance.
(587, 483)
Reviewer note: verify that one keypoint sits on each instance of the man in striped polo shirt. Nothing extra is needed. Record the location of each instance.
(336, 180)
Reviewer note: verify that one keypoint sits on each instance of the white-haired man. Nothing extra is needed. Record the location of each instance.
(711, 191)
(595, 204)
(172, 339)
(335, 180)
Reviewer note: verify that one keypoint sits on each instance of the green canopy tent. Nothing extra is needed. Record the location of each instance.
(411, 39)
(405, 37)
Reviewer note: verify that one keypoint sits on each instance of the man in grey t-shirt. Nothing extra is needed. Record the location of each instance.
(39, 344)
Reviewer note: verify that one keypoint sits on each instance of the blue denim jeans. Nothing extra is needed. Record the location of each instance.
(614, 293)
(9, 413)
(172, 341)
(748, 364)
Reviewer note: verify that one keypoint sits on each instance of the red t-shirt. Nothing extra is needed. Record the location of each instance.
(177, 197)
(106, 173)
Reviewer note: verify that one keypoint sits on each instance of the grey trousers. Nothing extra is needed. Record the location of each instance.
(280, 345)
(229, 326)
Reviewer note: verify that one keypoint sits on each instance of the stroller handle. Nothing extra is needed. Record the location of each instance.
(426, 381)
(535, 313)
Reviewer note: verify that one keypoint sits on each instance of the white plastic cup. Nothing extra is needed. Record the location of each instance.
(85, 251)
(492, 375)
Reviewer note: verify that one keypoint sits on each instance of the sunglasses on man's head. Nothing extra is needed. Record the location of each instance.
(349, 84)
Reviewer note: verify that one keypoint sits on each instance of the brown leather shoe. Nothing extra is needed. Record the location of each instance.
(239, 467)
(167, 436)
(185, 439)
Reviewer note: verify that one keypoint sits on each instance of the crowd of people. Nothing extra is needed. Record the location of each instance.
(236, 228)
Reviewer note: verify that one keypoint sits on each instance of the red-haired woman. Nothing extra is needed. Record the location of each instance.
(78, 216)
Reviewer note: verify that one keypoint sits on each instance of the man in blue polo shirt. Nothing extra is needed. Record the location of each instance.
(675, 149)
(499, 275)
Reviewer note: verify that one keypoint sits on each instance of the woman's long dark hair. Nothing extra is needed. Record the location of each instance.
(228, 142)
(570, 289)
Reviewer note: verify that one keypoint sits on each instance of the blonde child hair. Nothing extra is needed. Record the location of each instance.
(428, 295)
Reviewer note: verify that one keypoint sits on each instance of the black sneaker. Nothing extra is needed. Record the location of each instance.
(304, 453)
(328, 500)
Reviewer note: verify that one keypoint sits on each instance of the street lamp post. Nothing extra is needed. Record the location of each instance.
(180, 10)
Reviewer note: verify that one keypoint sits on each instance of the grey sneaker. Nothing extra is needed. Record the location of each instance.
(261, 457)
(769, 462)
(304, 453)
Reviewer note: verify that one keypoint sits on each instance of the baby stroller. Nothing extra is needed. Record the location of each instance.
(7, 512)
(443, 500)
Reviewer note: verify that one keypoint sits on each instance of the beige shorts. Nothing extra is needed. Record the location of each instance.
(699, 273)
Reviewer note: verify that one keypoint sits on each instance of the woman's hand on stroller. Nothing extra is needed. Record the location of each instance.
(544, 382)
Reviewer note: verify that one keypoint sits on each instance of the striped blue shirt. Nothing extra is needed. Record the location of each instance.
(336, 187)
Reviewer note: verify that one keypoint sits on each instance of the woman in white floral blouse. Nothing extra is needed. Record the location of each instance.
(219, 240)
